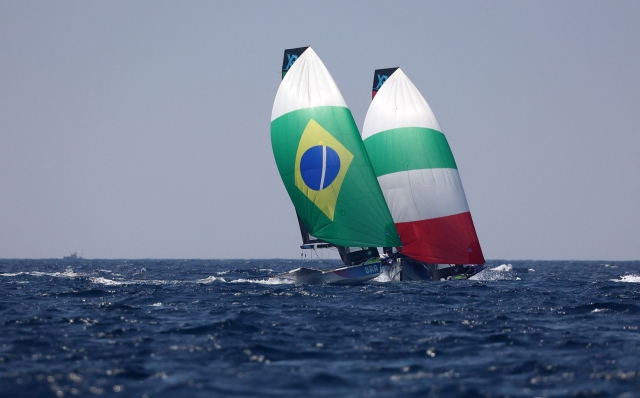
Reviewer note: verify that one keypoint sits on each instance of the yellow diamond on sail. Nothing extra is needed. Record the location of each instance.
(321, 165)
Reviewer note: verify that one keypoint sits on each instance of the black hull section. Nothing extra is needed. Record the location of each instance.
(405, 269)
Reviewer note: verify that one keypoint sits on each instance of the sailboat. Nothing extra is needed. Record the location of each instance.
(327, 173)
(420, 182)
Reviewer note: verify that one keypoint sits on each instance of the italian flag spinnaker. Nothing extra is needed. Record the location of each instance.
(417, 173)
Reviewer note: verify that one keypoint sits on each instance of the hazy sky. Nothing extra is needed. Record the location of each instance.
(141, 129)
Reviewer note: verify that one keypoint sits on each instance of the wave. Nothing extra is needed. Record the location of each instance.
(628, 278)
(107, 282)
(68, 273)
(383, 278)
(603, 306)
(111, 282)
(210, 279)
(384, 275)
(503, 268)
(223, 272)
(503, 272)
(100, 280)
(268, 281)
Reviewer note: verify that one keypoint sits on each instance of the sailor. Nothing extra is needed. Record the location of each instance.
(386, 257)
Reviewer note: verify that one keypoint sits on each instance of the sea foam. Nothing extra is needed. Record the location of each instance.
(628, 278)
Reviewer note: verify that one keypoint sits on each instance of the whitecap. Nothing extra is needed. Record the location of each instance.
(14, 274)
(114, 282)
(628, 278)
(503, 268)
(210, 279)
(503, 272)
(68, 273)
(269, 281)
(108, 282)
(383, 278)
(384, 275)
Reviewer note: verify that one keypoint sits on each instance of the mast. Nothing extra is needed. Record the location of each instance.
(418, 175)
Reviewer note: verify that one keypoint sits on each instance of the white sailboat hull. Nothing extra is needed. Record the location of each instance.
(349, 275)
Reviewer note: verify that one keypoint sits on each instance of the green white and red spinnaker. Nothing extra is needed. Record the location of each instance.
(418, 175)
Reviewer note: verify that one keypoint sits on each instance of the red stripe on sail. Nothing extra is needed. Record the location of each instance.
(442, 240)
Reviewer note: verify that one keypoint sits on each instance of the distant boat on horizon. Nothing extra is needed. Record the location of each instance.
(74, 256)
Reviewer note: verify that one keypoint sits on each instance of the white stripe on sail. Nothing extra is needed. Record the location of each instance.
(398, 104)
(307, 84)
(423, 194)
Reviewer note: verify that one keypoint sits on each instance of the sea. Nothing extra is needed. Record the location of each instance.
(232, 328)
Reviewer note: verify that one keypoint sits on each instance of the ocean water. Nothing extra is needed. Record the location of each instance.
(208, 328)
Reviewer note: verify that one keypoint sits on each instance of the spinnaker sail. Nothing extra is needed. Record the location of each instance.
(417, 173)
(322, 160)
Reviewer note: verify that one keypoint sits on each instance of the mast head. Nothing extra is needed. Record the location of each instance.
(379, 77)
(290, 56)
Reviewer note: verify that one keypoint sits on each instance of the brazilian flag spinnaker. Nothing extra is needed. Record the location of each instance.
(322, 160)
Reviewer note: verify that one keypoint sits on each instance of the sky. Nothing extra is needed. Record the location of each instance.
(142, 129)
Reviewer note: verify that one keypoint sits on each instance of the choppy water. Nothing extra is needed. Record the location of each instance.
(202, 328)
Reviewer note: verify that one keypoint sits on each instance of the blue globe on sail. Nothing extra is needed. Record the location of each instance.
(319, 167)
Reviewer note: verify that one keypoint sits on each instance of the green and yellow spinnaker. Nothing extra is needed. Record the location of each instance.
(322, 160)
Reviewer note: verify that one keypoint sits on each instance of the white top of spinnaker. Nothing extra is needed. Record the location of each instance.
(307, 84)
(398, 104)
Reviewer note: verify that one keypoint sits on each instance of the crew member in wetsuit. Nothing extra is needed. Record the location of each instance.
(386, 257)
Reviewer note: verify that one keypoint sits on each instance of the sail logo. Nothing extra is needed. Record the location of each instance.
(321, 166)
(381, 80)
(291, 58)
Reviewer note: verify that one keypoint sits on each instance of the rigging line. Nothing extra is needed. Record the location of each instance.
(321, 260)
(396, 253)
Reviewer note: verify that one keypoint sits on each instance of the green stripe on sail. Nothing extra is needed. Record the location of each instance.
(360, 213)
(409, 148)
